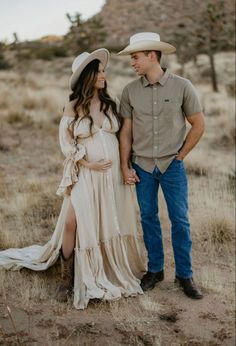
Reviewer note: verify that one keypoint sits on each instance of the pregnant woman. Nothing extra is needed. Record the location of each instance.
(96, 233)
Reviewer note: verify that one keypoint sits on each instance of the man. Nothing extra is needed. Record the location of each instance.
(154, 108)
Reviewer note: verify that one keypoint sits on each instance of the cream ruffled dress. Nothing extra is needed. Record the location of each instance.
(110, 258)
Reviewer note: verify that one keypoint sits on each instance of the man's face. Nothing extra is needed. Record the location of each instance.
(140, 62)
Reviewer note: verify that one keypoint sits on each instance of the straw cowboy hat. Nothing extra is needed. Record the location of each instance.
(147, 41)
(82, 60)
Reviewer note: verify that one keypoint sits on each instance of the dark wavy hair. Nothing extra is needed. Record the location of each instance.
(83, 92)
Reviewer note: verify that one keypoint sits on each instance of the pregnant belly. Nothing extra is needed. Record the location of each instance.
(102, 147)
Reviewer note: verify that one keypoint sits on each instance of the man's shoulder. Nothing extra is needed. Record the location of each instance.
(178, 79)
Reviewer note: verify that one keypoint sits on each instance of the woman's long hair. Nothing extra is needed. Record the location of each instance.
(83, 92)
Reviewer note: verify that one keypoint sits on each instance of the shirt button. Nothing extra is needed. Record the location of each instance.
(155, 103)
(155, 147)
(155, 132)
(154, 88)
(155, 117)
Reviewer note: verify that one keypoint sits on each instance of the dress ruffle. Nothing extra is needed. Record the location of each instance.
(108, 271)
(71, 169)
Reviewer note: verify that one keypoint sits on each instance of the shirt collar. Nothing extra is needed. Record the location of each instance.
(162, 81)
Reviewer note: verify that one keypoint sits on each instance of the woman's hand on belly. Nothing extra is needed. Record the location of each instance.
(99, 166)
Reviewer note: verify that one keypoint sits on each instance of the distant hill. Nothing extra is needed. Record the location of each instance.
(51, 39)
(123, 18)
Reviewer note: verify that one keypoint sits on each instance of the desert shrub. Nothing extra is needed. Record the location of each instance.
(44, 54)
(49, 53)
(19, 118)
(4, 65)
(55, 120)
(3, 147)
(231, 182)
(14, 117)
(206, 72)
(60, 52)
(227, 140)
(197, 169)
(221, 231)
(230, 88)
(24, 54)
(29, 103)
(218, 234)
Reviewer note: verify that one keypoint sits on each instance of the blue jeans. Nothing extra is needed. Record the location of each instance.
(175, 189)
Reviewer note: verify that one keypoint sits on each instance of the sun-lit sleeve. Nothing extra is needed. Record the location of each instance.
(73, 153)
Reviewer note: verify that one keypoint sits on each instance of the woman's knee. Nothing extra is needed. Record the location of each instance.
(70, 222)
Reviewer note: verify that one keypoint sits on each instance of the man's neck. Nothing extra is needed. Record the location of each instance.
(155, 74)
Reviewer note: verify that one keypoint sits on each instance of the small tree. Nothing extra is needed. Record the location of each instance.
(85, 35)
(201, 27)
(214, 31)
(16, 39)
(185, 46)
(3, 62)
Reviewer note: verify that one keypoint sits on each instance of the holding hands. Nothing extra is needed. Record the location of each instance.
(129, 175)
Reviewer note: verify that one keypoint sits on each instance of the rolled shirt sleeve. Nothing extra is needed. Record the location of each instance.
(73, 153)
(191, 102)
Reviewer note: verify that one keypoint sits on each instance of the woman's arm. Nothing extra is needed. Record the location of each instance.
(100, 166)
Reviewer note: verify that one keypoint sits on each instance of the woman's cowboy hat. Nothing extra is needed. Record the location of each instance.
(82, 60)
(147, 41)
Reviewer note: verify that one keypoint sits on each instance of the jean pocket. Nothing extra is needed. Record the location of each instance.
(179, 163)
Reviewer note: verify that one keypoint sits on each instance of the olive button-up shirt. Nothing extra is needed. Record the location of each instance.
(158, 112)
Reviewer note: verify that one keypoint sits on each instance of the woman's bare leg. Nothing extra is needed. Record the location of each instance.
(68, 242)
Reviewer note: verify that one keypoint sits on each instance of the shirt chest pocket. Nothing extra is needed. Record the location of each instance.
(169, 107)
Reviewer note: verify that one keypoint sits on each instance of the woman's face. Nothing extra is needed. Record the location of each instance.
(101, 77)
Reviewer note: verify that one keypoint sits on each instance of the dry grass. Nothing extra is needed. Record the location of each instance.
(35, 98)
(35, 287)
(213, 225)
(211, 279)
(32, 212)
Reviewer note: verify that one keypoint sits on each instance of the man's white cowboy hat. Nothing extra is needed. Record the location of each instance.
(82, 60)
(147, 41)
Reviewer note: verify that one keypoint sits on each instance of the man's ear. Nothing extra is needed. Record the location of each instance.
(153, 56)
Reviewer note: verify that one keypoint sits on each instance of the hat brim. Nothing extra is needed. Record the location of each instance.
(101, 54)
(164, 47)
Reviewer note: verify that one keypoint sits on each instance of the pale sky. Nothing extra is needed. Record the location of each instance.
(32, 19)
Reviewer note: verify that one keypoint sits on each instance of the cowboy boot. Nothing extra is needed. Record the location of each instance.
(65, 288)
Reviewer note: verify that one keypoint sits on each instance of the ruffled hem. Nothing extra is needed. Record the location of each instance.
(71, 170)
(108, 271)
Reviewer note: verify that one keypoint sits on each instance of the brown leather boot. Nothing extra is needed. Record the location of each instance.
(65, 288)
(189, 288)
(150, 279)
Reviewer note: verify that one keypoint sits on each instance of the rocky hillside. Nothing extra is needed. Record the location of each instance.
(123, 18)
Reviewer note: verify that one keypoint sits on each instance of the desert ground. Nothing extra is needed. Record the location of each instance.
(32, 95)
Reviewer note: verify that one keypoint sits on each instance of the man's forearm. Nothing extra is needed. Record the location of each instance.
(191, 140)
(129, 174)
(125, 150)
